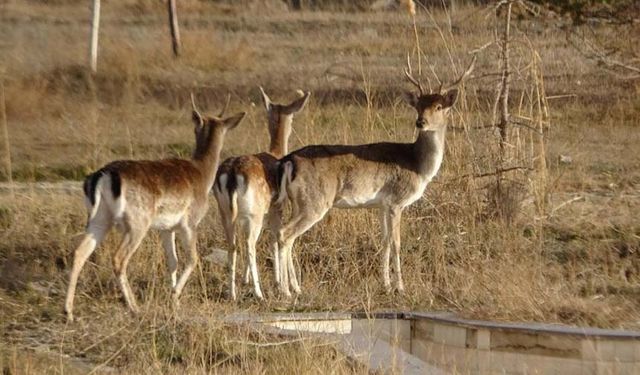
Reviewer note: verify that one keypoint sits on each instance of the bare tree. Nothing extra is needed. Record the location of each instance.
(504, 83)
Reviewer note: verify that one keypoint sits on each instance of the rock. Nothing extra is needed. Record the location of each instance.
(385, 5)
(565, 159)
(217, 256)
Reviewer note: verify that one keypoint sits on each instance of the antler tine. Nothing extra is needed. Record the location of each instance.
(193, 103)
(226, 105)
(262, 91)
(407, 73)
(464, 75)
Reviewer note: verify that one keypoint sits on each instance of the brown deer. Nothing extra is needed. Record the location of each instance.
(387, 176)
(245, 189)
(168, 195)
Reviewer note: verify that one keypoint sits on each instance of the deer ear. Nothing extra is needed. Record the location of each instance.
(450, 98)
(233, 121)
(265, 99)
(198, 121)
(298, 104)
(411, 98)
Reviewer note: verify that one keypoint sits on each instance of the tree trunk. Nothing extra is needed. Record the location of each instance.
(504, 86)
(93, 43)
(173, 24)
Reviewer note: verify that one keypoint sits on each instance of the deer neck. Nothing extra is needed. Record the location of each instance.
(429, 151)
(207, 158)
(280, 137)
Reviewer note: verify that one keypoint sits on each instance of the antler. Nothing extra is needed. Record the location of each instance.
(265, 98)
(464, 76)
(226, 105)
(193, 104)
(407, 72)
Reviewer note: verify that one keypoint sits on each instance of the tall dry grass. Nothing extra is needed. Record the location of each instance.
(575, 263)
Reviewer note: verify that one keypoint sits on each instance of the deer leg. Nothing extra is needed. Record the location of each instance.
(169, 245)
(97, 228)
(396, 219)
(274, 222)
(232, 256)
(189, 239)
(230, 234)
(293, 276)
(246, 278)
(247, 273)
(386, 251)
(288, 234)
(254, 227)
(284, 276)
(229, 230)
(225, 217)
(130, 242)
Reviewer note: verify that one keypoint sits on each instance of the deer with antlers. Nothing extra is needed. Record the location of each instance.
(168, 195)
(387, 176)
(245, 189)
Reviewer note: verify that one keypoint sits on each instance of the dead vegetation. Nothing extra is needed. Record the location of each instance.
(569, 253)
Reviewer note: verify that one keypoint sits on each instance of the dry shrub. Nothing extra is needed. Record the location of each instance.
(138, 7)
(160, 339)
(210, 52)
(57, 2)
(24, 98)
(505, 199)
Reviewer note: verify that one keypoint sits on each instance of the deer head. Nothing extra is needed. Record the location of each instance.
(433, 108)
(277, 112)
(209, 129)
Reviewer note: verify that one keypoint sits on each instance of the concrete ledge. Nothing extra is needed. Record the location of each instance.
(285, 316)
(445, 318)
(535, 328)
(417, 342)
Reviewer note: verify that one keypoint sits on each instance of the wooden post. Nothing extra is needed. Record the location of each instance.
(173, 24)
(93, 44)
(5, 131)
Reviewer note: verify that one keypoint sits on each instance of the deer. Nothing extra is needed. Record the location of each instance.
(169, 195)
(246, 188)
(387, 176)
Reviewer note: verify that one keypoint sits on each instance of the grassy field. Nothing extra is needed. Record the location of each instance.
(565, 248)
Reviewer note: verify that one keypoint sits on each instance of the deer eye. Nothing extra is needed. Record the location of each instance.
(438, 107)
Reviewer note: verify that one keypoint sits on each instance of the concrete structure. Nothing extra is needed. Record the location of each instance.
(441, 343)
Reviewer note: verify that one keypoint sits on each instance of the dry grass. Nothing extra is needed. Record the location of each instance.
(578, 264)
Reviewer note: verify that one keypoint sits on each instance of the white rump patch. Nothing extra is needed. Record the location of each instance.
(242, 186)
(222, 186)
(117, 205)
